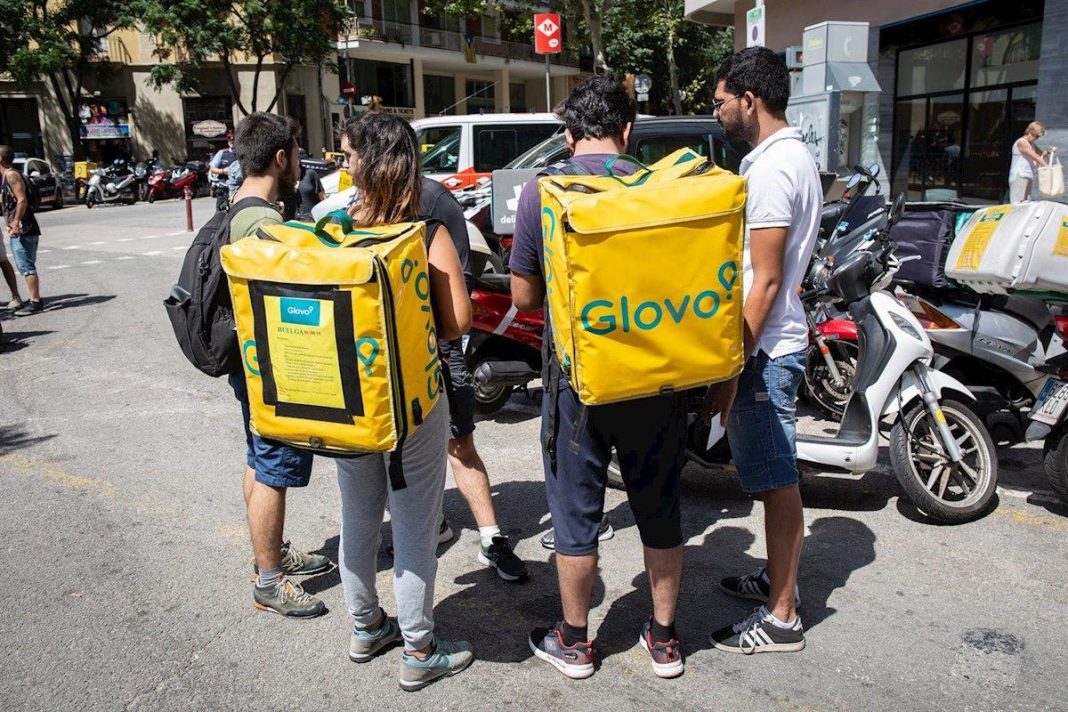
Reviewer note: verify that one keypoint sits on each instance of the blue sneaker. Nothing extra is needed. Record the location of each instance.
(365, 644)
(446, 658)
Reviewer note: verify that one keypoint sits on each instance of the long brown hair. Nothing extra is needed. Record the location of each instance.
(389, 171)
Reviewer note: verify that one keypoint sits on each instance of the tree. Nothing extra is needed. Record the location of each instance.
(193, 33)
(62, 42)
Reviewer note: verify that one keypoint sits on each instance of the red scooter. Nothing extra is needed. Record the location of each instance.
(172, 182)
(503, 348)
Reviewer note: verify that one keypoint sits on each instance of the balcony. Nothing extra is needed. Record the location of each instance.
(408, 34)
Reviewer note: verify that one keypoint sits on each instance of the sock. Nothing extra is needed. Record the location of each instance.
(486, 534)
(662, 633)
(572, 634)
(778, 623)
(269, 577)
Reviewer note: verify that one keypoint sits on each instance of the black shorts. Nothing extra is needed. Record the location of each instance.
(649, 435)
(461, 390)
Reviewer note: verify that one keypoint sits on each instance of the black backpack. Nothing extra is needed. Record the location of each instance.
(199, 304)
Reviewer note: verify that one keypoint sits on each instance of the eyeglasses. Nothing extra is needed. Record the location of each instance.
(717, 104)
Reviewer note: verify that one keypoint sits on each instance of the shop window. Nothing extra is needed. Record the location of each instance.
(1006, 57)
(935, 68)
(986, 160)
(479, 96)
(439, 95)
(497, 145)
(202, 143)
(390, 80)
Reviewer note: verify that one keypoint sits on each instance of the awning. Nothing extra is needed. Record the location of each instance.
(851, 76)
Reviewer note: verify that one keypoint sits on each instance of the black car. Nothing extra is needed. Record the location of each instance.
(49, 185)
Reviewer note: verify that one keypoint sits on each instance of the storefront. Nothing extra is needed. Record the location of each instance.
(105, 129)
(965, 89)
(207, 120)
(20, 126)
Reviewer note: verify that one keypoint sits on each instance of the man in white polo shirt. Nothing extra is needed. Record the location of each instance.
(782, 220)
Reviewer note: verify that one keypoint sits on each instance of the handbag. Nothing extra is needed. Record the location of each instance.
(1051, 178)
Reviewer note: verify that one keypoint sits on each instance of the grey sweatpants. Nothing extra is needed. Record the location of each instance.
(414, 513)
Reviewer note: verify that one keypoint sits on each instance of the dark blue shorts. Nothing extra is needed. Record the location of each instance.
(461, 391)
(762, 425)
(275, 464)
(649, 435)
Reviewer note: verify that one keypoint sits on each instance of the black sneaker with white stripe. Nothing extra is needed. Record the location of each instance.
(755, 586)
(759, 634)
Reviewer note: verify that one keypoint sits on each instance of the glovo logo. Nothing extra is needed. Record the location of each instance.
(252, 361)
(604, 316)
(412, 272)
(367, 350)
(548, 229)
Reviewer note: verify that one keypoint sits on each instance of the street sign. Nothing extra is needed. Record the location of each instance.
(643, 96)
(209, 128)
(754, 27)
(643, 83)
(348, 90)
(547, 36)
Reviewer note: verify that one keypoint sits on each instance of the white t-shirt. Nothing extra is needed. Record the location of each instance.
(784, 191)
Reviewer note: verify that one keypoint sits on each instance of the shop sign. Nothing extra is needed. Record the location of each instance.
(104, 119)
(208, 128)
(405, 112)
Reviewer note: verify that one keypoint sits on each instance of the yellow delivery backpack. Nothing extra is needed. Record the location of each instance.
(337, 334)
(644, 277)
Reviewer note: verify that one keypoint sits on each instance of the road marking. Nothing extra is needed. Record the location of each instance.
(41, 252)
(73, 247)
(91, 262)
(1037, 521)
(150, 237)
(153, 253)
(1038, 495)
(99, 242)
(180, 232)
(179, 247)
(127, 257)
(59, 267)
(124, 239)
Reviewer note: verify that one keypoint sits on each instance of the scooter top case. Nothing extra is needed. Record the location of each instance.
(1005, 248)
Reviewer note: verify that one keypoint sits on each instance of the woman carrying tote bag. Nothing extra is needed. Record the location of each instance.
(1027, 162)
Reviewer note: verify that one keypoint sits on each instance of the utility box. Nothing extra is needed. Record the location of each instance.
(835, 42)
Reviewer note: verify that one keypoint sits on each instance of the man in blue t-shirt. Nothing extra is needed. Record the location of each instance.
(648, 434)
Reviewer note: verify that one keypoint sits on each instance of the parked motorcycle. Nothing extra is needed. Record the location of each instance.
(172, 182)
(1049, 417)
(112, 184)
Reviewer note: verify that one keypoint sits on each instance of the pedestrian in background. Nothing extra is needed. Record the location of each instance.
(219, 171)
(387, 170)
(9, 276)
(23, 229)
(1026, 160)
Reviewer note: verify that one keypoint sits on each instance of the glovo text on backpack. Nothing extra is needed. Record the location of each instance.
(337, 333)
(643, 277)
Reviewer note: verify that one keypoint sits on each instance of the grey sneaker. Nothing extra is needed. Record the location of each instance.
(446, 658)
(15, 303)
(759, 634)
(299, 563)
(365, 644)
(755, 586)
(288, 599)
(29, 308)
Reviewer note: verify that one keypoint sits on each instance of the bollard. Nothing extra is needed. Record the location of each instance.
(188, 209)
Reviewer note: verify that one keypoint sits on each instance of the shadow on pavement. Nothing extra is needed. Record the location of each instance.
(12, 341)
(834, 549)
(13, 437)
(67, 301)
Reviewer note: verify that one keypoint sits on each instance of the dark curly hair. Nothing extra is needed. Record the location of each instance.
(760, 71)
(599, 107)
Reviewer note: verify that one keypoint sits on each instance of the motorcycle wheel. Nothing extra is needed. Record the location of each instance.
(1055, 462)
(151, 197)
(819, 385)
(946, 492)
(490, 399)
(90, 201)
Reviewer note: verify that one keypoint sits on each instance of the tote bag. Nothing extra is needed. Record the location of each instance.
(1051, 178)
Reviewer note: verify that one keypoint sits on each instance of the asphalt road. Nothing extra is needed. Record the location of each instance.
(123, 534)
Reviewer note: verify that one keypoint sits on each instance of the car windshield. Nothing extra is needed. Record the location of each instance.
(545, 153)
(440, 146)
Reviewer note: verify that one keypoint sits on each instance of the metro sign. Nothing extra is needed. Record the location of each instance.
(547, 38)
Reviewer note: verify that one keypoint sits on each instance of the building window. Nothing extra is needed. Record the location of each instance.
(439, 95)
(197, 109)
(517, 97)
(479, 97)
(1006, 57)
(20, 127)
(296, 107)
(931, 69)
(389, 80)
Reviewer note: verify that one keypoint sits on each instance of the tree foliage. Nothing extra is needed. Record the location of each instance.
(61, 42)
(191, 34)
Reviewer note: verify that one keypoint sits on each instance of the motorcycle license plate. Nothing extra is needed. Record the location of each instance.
(1052, 402)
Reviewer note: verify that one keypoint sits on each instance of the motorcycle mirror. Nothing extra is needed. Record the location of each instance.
(853, 181)
(896, 210)
(861, 170)
(873, 169)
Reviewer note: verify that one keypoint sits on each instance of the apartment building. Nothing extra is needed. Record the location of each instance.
(959, 81)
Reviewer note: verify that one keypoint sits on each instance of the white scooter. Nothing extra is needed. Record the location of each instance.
(940, 450)
(115, 184)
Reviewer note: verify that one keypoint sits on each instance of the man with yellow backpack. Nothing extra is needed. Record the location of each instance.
(648, 433)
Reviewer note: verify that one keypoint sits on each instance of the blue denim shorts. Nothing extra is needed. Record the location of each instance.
(275, 464)
(762, 424)
(25, 251)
